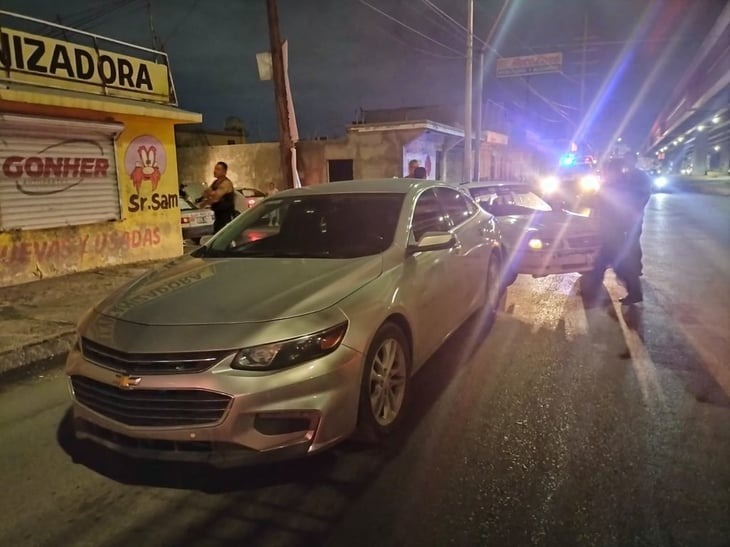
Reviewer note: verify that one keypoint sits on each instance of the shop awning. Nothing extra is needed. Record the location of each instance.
(73, 99)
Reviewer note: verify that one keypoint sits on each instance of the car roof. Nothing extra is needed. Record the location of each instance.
(373, 186)
(498, 184)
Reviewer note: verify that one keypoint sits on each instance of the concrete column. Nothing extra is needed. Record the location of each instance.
(725, 157)
(701, 150)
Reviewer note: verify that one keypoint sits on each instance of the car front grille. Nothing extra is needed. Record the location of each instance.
(150, 363)
(151, 407)
(583, 242)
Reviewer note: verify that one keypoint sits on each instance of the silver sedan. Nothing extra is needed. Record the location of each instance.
(300, 322)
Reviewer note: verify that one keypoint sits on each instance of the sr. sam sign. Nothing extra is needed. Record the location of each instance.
(44, 61)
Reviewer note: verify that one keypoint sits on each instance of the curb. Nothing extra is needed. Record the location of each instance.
(38, 351)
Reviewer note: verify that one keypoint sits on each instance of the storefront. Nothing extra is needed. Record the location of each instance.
(88, 170)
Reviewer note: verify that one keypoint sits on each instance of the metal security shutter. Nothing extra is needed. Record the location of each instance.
(56, 172)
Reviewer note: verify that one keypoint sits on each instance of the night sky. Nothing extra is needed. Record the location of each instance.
(345, 56)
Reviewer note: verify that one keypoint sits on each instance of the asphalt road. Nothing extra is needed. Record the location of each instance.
(565, 423)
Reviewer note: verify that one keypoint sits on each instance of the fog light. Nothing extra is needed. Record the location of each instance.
(535, 244)
(286, 423)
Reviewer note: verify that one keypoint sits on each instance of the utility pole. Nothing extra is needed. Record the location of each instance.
(282, 106)
(468, 101)
(584, 53)
(480, 89)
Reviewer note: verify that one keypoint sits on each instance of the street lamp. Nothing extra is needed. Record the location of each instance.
(717, 148)
(700, 128)
(716, 120)
(680, 139)
(619, 139)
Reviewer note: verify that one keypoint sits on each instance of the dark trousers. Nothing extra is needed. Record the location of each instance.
(621, 250)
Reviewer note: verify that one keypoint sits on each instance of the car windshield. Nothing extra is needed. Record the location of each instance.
(509, 200)
(319, 226)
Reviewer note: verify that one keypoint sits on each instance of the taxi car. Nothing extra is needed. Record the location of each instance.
(538, 240)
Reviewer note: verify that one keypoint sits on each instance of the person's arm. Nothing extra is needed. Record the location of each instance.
(225, 187)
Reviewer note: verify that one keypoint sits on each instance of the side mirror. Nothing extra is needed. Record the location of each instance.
(433, 241)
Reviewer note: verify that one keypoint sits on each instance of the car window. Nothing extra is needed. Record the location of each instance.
(316, 226)
(455, 204)
(428, 216)
(506, 200)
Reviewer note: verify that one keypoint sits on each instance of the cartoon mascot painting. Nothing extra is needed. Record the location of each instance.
(146, 168)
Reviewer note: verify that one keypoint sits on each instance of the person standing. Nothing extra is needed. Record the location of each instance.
(620, 214)
(412, 166)
(220, 197)
(272, 189)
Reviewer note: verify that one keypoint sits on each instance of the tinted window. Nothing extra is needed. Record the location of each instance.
(455, 204)
(428, 216)
(319, 226)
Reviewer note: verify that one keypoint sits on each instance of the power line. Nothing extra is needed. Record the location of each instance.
(401, 23)
(180, 23)
(451, 20)
(419, 49)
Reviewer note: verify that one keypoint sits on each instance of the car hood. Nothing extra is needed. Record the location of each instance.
(197, 291)
(560, 223)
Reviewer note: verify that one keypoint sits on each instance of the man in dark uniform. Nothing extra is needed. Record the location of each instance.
(620, 212)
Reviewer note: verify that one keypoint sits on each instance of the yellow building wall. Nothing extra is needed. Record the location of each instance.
(149, 228)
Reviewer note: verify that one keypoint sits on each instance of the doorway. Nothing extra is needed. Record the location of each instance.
(340, 170)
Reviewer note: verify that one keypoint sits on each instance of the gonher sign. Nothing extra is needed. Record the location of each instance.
(32, 59)
(529, 64)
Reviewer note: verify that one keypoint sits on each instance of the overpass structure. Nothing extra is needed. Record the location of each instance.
(693, 131)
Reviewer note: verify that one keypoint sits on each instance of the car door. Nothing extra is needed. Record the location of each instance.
(428, 286)
(474, 234)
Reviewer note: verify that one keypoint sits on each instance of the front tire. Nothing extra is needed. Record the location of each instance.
(385, 382)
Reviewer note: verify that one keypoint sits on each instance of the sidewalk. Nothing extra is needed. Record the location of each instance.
(38, 319)
(716, 186)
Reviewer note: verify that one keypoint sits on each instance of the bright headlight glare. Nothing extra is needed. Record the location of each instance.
(290, 352)
(590, 183)
(548, 185)
(535, 244)
(660, 182)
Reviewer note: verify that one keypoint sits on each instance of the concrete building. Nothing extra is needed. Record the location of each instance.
(88, 172)
(693, 131)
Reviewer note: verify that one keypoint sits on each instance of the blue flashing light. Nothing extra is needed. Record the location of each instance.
(567, 159)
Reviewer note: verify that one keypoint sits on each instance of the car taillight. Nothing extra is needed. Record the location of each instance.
(184, 220)
(251, 202)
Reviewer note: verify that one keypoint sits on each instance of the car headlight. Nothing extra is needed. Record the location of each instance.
(548, 185)
(661, 182)
(535, 244)
(290, 352)
(590, 183)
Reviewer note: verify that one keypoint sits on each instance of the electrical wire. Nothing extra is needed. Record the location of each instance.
(180, 23)
(401, 23)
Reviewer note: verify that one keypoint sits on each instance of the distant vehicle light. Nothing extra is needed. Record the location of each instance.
(661, 182)
(548, 185)
(535, 244)
(251, 202)
(590, 183)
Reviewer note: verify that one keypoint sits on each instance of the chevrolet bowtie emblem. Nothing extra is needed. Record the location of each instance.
(127, 382)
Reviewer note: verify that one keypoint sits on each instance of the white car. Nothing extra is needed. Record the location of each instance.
(538, 239)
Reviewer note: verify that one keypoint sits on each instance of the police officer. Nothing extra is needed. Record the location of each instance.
(620, 212)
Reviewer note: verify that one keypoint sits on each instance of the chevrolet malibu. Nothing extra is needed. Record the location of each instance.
(299, 323)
